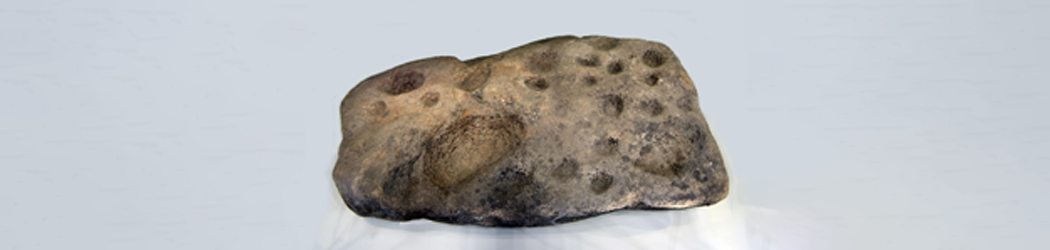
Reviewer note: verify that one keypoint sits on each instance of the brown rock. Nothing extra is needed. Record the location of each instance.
(554, 131)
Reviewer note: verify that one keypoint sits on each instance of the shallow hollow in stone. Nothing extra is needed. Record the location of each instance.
(554, 131)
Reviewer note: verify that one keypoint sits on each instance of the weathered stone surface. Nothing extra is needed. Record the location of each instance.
(554, 131)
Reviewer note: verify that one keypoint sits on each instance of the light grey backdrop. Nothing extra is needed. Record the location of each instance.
(213, 124)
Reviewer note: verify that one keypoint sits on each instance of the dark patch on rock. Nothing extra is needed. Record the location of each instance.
(567, 170)
(475, 79)
(601, 183)
(653, 79)
(607, 146)
(589, 61)
(652, 107)
(430, 99)
(616, 67)
(543, 61)
(686, 103)
(398, 183)
(469, 146)
(653, 58)
(403, 82)
(589, 80)
(377, 108)
(537, 83)
(612, 105)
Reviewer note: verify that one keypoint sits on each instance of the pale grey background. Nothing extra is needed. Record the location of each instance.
(213, 124)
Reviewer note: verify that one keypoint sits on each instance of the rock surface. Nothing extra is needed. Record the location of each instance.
(550, 132)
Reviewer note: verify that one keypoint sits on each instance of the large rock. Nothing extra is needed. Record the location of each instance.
(554, 131)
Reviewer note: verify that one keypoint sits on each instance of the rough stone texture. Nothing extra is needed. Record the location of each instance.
(554, 131)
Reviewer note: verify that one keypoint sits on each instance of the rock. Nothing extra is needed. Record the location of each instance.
(553, 131)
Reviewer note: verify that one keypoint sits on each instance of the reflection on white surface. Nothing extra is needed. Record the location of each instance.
(728, 225)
